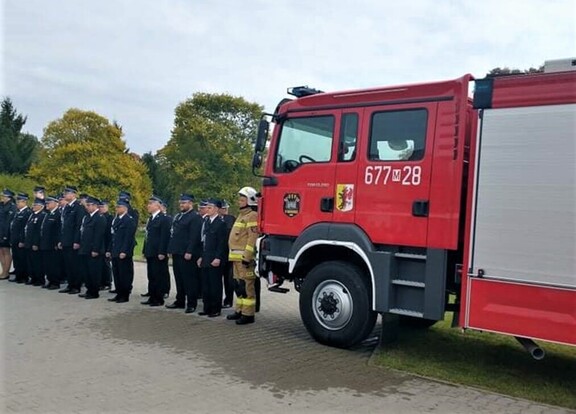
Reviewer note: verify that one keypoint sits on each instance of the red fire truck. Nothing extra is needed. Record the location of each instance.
(391, 200)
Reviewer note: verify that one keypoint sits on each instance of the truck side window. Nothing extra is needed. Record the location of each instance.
(348, 137)
(304, 140)
(398, 135)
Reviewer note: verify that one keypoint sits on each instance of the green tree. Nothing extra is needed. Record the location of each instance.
(507, 71)
(159, 178)
(210, 150)
(85, 149)
(17, 150)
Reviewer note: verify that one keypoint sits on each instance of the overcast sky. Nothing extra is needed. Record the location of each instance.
(133, 61)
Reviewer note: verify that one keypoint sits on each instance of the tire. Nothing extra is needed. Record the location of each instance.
(416, 323)
(335, 304)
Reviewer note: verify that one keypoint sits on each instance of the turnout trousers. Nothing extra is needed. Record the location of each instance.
(245, 288)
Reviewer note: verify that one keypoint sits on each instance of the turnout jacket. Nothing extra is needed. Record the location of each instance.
(242, 240)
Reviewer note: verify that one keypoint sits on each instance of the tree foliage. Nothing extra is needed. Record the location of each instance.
(18, 150)
(210, 150)
(498, 71)
(85, 149)
(17, 183)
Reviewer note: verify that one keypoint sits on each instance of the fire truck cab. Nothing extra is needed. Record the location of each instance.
(389, 200)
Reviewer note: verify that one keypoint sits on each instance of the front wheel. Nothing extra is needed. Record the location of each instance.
(335, 304)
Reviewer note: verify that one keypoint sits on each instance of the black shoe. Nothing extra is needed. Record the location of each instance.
(113, 291)
(202, 313)
(244, 320)
(156, 303)
(122, 300)
(146, 302)
(214, 315)
(65, 290)
(114, 299)
(234, 316)
(12, 280)
(20, 281)
(45, 286)
(190, 310)
(226, 305)
(73, 291)
(38, 284)
(87, 296)
(175, 306)
(53, 287)
(28, 282)
(145, 295)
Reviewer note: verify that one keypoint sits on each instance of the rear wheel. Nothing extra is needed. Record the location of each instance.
(335, 304)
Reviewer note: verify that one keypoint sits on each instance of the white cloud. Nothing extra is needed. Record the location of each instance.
(135, 60)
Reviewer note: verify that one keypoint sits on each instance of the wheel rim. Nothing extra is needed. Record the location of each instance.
(332, 305)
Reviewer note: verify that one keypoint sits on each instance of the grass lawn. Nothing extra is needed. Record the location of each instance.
(140, 242)
(484, 360)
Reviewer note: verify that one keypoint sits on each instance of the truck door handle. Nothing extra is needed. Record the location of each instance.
(420, 208)
(327, 204)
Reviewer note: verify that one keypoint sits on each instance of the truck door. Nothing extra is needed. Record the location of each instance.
(396, 151)
(303, 170)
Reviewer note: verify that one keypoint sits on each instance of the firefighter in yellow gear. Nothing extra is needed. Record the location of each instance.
(242, 244)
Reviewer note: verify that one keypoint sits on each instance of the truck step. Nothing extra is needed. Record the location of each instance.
(410, 256)
(406, 312)
(410, 283)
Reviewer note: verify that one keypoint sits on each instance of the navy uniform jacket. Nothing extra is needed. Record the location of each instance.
(123, 230)
(72, 216)
(32, 229)
(185, 234)
(108, 234)
(50, 230)
(157, 236)
(215, 242)
(7, 212)
(17, 233)
(92, 235)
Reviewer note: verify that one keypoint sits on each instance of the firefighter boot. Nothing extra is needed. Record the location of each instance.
(244, 320)
(234, 316)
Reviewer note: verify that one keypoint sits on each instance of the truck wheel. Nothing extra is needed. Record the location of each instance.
(335, 304)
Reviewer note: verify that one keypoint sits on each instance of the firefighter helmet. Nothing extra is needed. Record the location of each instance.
(250, 194)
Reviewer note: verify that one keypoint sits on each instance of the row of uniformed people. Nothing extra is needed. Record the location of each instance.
(207, 248)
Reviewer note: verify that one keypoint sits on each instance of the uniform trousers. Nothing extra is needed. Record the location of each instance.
(73, 267)
(51, 261)
(156, 275)
(35, 266)
(212, 289)
(19, 257)
(92, 272)
(187, 274)
(123, 270)
(245, 287)
(227, 276)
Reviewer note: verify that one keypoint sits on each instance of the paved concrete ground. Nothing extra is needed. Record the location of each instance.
(64, 354)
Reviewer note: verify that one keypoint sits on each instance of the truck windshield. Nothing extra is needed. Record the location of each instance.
(304, 140)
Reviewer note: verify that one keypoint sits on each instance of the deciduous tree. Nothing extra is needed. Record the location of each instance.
(85, 149)
(17, 149)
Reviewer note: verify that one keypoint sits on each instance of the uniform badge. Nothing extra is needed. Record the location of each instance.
(291, 204)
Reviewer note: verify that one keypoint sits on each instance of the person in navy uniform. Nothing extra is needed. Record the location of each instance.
(166, 276)
(61, 204)
(17, 237)
(32, 237)
(127, 197)
(214, 253)
(121, 252)
(7, 211)
(92, 249)
(107, 268)
(49, 239)
(71, 218)
(40, 192)
(155, 251)
(227, 276)
(185, 248)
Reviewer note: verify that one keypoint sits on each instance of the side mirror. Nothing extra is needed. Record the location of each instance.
(256, 161)
(263, 127)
